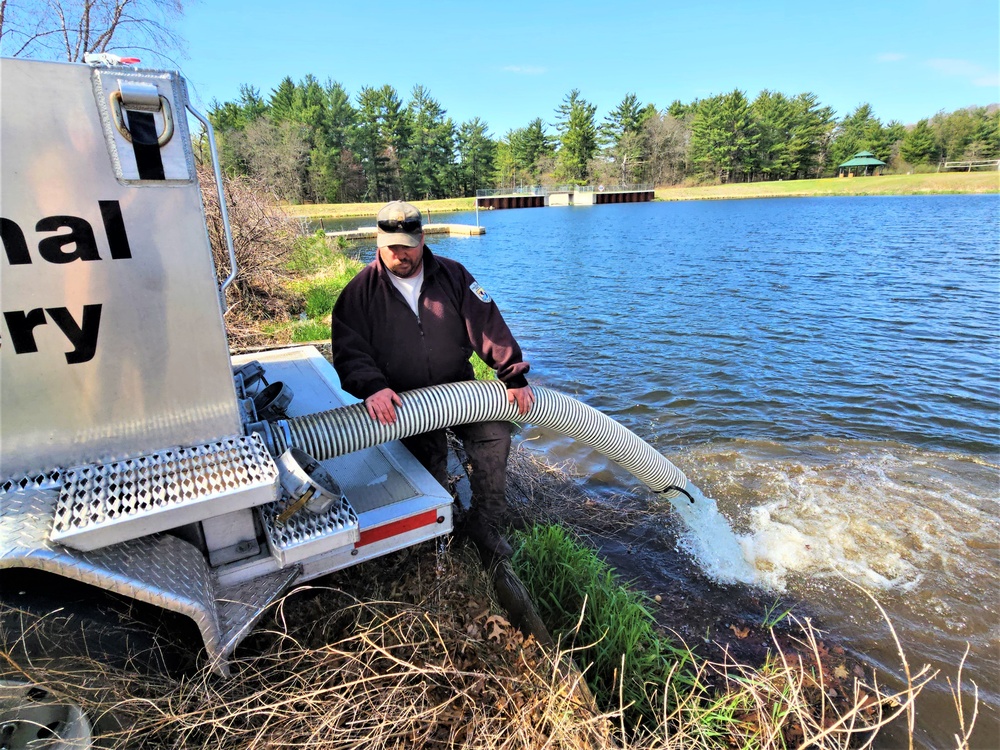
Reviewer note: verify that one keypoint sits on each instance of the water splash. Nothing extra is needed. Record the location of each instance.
(889, 517)
(710, 539)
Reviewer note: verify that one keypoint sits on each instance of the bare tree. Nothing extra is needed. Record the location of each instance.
(668, 140)
(70, 29)
(277, 155)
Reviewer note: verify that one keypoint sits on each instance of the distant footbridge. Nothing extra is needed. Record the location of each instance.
(536, 196)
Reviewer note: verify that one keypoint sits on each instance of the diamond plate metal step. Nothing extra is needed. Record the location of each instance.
(161, 570)
(306, 534)
(110, 503)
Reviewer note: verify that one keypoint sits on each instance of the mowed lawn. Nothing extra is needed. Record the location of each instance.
(896, 184)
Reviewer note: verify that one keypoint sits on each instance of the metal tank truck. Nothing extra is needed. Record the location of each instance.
(146, 476)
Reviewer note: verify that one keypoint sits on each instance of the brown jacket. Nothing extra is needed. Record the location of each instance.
(379, 343)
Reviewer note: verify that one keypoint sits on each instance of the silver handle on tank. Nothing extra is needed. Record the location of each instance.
(227, 231)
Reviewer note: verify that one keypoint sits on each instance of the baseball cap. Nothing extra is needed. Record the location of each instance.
(399, 223)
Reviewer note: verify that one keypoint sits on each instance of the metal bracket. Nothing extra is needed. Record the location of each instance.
(163, 107)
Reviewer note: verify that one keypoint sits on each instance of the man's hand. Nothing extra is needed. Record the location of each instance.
(523, 397)
(382, 405)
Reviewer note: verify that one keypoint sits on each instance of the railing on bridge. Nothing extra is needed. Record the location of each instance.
(513, 190)
(637, 187)
(537, 196)
(968, 166)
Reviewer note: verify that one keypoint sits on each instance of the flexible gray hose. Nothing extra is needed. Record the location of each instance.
(339, 431)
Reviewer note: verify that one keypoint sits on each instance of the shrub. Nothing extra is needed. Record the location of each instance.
(263, 240)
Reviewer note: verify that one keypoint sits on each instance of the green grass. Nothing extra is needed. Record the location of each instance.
(631, 659)
(775, 614)
(310, 330)
(483, 371)
(320, 272)
(319, 293)
(894, 184)
(347, 210)
(315, 253)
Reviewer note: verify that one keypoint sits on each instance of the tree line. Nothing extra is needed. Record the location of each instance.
(313, 141)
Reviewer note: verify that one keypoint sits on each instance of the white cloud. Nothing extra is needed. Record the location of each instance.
(977, 74)
(890, 57)
(524, 70)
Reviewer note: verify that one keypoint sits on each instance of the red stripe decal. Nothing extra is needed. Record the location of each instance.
(370, 536)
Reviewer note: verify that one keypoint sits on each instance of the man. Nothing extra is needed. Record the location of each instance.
(412, 319)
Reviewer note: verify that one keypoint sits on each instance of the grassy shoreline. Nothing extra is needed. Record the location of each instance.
(414, 652)
(932, 183)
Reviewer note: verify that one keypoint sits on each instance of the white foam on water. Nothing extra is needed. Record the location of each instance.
(885, 517)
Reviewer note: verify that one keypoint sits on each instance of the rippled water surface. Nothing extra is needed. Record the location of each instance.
(826, 369)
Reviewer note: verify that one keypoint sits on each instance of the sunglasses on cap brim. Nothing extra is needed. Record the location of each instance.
(409, 226)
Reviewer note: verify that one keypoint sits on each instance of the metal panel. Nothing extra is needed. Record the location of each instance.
(346, 557)
(101, 505)
(149, 367)
(161, 570)
(369, 480)
(241, 605)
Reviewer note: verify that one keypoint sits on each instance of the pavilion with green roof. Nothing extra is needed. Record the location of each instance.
(862, 163)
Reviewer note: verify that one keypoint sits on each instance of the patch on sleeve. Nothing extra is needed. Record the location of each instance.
(480, 292)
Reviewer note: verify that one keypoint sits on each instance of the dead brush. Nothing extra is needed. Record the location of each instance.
(792, 700)
(263, 238)
(335, 672)
(444, 670)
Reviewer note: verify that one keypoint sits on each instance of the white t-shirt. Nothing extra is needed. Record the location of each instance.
(410, 288)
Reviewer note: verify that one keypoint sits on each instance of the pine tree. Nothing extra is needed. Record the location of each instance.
(476, 154)
(724, 136)
(623, 134)
(382, 133)
(774, 117)
(333, 168)
(282, 103)
(428, 163)
(529, 146)
(811, 131)
(578, 140)
(918, 145)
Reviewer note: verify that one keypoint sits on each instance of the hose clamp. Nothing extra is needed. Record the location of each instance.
(307, 484)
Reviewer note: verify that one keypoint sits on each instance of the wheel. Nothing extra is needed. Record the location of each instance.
(67, 650)
(32, 717)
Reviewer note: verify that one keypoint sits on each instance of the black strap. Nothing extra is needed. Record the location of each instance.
(144, 144)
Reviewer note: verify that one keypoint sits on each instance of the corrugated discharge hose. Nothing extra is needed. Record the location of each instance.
(339, 431)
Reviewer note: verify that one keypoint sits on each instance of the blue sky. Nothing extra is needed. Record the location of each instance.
(509, 62)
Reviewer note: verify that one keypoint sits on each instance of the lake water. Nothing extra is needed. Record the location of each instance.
(826, 369)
